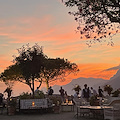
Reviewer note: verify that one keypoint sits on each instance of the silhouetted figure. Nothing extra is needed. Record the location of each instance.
(8, 91)
(86, 93)
(93, 92)
(65, 95)
(62, 93)
(1, 98)
(1, 101)
(100, 92)
(50, 91)
(37, 91)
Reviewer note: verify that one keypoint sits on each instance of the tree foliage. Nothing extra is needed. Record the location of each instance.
(32, 65)
(108, 89)
(96, 19)
(58, 69)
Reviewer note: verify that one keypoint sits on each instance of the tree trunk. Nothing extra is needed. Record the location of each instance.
(33, 87)
(47, 83)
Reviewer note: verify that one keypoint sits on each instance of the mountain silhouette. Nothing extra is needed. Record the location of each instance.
(91, 82)
(115, 80)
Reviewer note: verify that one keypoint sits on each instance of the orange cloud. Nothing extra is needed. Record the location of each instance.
(90, 70)
(38, 29)
(4, 62)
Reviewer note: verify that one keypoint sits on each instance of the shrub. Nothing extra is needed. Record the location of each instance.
(116, 93)
(108, 89)
(26, 95)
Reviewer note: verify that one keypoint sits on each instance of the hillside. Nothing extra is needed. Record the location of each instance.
(115, 80)
(91, 82)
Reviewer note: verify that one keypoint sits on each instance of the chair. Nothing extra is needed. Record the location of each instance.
(113, 113)
(81, 112)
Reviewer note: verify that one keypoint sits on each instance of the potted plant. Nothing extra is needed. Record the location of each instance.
(108, 89)
(116, 93)
(11, 106)
(77, 88)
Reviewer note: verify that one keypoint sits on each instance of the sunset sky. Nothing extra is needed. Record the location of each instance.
(48, 23)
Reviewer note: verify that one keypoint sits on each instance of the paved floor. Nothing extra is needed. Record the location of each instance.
(46, 116)
(61, 116)
(42, 116)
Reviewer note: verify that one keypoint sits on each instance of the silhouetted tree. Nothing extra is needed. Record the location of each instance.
(96, 19)
(32, 65)
(58, 69)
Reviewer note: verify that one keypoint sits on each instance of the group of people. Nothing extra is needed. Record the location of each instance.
(87, 93)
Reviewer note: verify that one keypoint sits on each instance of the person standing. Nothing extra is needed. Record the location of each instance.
(100, 92)
(1, 98)
(62, 93)
(8, 90)
(86, 93)
(93, 92)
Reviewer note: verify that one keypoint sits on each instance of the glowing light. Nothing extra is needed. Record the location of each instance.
(33, 103)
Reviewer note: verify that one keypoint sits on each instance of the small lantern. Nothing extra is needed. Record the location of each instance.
(33, 103)
(66, 100)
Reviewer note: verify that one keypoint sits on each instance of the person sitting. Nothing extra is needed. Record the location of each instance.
(50, 91)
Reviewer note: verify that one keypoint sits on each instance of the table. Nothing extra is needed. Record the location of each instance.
(95, 110)
(67, 107)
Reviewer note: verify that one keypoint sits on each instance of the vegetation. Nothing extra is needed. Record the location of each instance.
(26, 95)
(96, 19)
(93, 101)
(56, 100)
(108, 89)
(32, 65)
(77, 88)
(116, 93)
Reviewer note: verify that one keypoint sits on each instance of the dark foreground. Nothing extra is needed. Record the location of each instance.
(43, 116)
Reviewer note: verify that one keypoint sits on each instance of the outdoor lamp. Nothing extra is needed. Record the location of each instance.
(33, 103)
